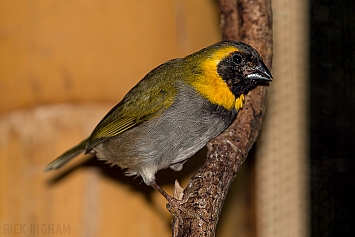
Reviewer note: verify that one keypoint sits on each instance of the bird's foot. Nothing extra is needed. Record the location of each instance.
(175, 204)
(233, 146)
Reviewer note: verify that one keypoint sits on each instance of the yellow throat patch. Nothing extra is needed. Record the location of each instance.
(212, 86)
(239, 102)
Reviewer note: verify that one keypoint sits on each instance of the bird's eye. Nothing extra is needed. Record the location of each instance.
(237, 59)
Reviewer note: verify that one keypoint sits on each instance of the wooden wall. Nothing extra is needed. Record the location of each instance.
(63, 65)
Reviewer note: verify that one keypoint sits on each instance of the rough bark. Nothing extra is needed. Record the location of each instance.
(249, 21)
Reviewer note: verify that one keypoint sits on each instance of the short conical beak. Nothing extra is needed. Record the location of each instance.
(260, 73)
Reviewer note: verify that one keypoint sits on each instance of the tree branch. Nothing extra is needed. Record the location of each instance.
(249, 21)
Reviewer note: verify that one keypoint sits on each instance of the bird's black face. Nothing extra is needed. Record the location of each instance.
(243, 70)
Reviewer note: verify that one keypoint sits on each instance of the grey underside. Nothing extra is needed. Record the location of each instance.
(168, 140)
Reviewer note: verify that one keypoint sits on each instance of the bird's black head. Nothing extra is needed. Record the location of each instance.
(243, 69)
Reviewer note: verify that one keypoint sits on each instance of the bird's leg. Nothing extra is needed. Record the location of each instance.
(154, 185)
(174, 205)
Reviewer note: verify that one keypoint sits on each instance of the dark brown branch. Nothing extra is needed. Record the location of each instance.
(229, 20)
(204, 196)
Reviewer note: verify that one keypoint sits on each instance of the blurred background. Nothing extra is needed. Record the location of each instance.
(64, 64)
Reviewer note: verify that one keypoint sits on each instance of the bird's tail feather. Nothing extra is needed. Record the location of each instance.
(67, 156)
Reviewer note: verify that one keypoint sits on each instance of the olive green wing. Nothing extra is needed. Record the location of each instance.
(145, 101)
(110, 126)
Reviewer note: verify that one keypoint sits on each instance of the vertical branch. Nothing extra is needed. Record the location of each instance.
(230, 25)
(248, 21)
(256, 26)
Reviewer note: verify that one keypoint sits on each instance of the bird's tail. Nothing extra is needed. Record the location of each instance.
(67, 156)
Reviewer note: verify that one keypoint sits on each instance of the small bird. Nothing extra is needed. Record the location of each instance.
(174, 111)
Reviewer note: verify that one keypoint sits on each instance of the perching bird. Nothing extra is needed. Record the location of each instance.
(174, 111)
